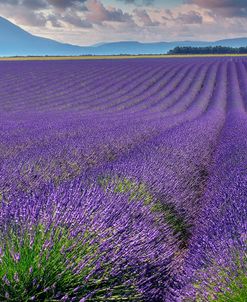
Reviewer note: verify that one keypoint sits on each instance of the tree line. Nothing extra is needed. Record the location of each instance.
(184, 50)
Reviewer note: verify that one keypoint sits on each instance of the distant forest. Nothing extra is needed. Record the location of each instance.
(183, 50)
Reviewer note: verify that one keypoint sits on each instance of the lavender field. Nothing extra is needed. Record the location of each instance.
(123, 180)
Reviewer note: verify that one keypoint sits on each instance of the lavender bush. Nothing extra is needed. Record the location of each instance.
(123, 180)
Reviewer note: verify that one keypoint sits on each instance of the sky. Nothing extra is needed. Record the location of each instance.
(87, 22)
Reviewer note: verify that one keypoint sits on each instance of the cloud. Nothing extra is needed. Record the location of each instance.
(63, 4)
(53, 20)
(76, 21)
(98, 13)
(218, 3)
(144, 18)
(91, 21)
(37, 4)
(37, 19)
(188, 17)
(59, 13)
(29, 18)
(44, 4)
(224, 8)
(191, 17)
(138, 2)
(40, 13)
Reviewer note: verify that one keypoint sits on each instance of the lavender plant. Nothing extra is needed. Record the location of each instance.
(72, 244)
(123, 180)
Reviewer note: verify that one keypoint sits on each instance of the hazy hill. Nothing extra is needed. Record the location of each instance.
(15, 41)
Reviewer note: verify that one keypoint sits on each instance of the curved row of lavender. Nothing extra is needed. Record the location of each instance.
(123, 180)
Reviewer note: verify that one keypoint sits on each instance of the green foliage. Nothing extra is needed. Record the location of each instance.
(136, 191)
(230, 284)
(180, 226)
(40, 262)
(42, 265)
(184, 50)
(139, 191)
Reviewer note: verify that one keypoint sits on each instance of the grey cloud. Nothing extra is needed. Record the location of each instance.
(76, 21)
(11, 2)
(32, 4)
(66, 3)
(54, 21)
(30, 18)
(36, 20)
(218, 3)
(36, 5)
(42, 4)
(78, 13)
(191, 17)
(138, 2)
(118, 15)
(98, 13)
(144, 17)
(30, 12)
(224, 8)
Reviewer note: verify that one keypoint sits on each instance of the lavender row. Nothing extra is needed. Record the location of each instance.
(124, 180)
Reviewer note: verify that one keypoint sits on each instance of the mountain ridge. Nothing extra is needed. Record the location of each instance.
(14, 41)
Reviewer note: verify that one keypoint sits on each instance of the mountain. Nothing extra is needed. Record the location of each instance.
(237, 42)
(133, 47)
(15, 41)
